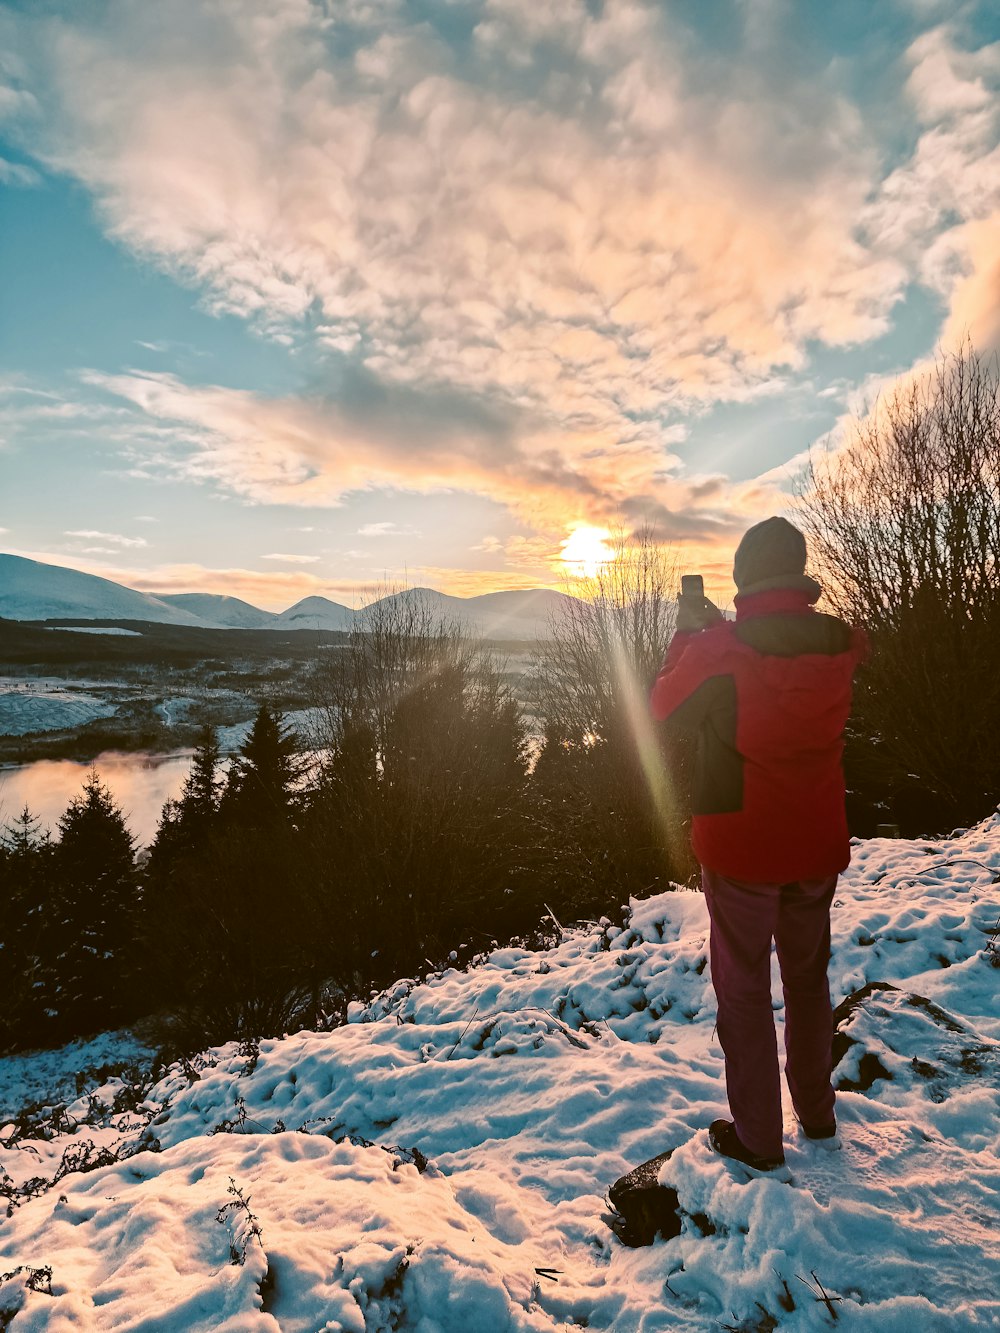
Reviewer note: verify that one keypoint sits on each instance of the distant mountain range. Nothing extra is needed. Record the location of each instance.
(30, 590)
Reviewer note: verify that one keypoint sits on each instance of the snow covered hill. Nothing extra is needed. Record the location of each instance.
(315, 613)
(495, 615)
(216, 609)
(439, 1164)
(30, 590)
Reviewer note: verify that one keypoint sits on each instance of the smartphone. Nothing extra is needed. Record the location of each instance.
(692, 585)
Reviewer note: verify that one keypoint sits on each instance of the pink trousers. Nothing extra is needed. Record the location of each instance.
(745, 919)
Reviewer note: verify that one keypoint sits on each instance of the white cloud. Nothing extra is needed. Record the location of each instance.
(490, 544)
(18, 174)
(287, 559)
(930, 210)
(115, 538)
(386, 530)
(554, 258)
(647, 241)
(311, 452)
(975, 296)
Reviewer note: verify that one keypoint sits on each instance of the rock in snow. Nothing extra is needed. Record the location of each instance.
(440, 1163)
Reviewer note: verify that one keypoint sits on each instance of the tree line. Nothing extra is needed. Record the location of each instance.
(420, 823)
(434, 813)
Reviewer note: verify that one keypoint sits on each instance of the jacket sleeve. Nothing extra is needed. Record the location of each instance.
(677, 691)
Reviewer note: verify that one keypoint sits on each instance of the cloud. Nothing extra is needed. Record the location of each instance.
(935, 209)
(572, 210)
(292, 559)
(490, 544)
(316, 450)
(682, 526)
(18, 174)
(527, 244)
(975, 297)
(115, 538)
(386, 530)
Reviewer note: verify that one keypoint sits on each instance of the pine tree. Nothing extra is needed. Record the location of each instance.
(222, 919)
(186, 822)
(203, 787)
(94, 865)
(262, 787)
(26, 975)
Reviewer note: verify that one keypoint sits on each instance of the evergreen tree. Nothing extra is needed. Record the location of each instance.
(186, 822)
(94, 926)
(26, 974)
(202, 790)
(420, 826)
(262, 786)
(222, 921)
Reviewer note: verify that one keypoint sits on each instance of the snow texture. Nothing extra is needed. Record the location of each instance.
(31, 707)
(439, 1164)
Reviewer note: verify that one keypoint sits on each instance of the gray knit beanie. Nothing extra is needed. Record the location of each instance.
(772, 554)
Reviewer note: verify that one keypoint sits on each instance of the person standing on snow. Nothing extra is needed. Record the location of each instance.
(768, 695)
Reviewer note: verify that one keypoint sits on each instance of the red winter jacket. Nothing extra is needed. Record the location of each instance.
(769, 695)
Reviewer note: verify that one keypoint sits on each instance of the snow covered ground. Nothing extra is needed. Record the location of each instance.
(439, 1164)
(27, 707)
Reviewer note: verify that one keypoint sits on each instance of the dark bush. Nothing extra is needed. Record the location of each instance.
(903, 518)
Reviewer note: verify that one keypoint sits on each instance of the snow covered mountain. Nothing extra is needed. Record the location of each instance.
(496, 615)
(439, 1164)
(315, 613)
(216, 609)
(30, 590)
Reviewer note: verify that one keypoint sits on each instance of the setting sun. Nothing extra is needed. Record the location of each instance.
(585, 550)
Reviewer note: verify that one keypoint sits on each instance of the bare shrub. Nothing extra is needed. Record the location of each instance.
(903, 520)
(610, 785)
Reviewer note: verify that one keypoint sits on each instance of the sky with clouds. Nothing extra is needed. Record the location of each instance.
(305, 296)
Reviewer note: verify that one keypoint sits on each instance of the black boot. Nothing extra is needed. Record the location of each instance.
(724, 1139)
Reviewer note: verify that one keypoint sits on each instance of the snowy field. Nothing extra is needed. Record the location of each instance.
(26, 708)
(439, 1164)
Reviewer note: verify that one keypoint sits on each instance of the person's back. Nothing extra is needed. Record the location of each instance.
(771, 694)
(768, 695)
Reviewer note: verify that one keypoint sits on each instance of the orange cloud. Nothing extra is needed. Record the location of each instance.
(975, 299)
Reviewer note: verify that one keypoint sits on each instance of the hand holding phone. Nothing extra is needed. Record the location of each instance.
(694, 610)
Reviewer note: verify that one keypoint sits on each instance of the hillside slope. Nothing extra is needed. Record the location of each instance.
(316, 613)
(439, 1164)
(218, 609)
(30, 590)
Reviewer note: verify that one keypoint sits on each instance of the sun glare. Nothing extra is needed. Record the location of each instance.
(585, 550)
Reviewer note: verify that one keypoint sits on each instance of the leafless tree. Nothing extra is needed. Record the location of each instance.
(421, 801)
(605, 645)
(903, 520)
(593, 676)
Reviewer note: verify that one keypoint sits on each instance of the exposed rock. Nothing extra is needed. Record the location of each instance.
(884, 1033)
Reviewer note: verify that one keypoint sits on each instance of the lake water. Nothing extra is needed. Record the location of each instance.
(140, 783)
